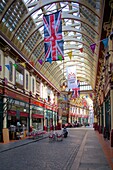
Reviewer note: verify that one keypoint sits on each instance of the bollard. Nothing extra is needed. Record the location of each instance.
(112, 138)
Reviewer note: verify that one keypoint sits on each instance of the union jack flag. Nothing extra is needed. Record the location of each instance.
(53, 41)
(76, 91)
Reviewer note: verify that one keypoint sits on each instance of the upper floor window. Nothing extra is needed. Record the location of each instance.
(0, 65)
(20, 76)
(11, 71)
(33, 85)
(27, 81)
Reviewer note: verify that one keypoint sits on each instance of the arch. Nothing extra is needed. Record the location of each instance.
(44, 3)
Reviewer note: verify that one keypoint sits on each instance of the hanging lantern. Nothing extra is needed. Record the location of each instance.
(63, 85)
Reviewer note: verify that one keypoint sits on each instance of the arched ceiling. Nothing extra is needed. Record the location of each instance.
(22, 24)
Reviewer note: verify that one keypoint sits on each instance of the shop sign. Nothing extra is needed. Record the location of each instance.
(37, 116)
(37, 103)
(12, 112)
(48, 107)
(23, 114)
(16, 96)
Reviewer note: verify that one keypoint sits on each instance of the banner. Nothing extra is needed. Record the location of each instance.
(53, 40)
(71, 77)
(76, 91)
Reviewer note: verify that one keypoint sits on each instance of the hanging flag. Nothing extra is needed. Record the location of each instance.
(78, 83)
(105, 42)
(50, 60)
(32, 63)
(40, 61)
(8, 66)
(70, 54)
(91, 95)
(53, 41)
(81, 50)
(15, 65)
(23, 64)
(92, 46)
(71, 77)
(76, 91)
(60, 57)
(0, 68)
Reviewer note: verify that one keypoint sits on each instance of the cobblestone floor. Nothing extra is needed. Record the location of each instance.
(81, 147)
(43, 155)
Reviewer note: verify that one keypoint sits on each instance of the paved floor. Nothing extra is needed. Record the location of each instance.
(83, 149)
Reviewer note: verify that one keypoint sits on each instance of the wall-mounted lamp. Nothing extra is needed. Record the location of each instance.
(24, 91)
(25, 109)
(63, 85)
(15, 87)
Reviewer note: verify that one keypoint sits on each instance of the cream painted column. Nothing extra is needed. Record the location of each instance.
(111, 96)
(29, 122)
(30, 115)
(5, 114)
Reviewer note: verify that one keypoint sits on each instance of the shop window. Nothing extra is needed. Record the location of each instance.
(17, 102)
(22, 103)
(20, 76)
(38, 87)
(27, 81)
(49, 99)
(10, 71)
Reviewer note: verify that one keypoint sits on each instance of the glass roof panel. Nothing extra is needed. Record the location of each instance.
(80, 25)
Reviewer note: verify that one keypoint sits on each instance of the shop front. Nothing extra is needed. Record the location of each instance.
(17, 122)
(37, 117)
(54, 120)
(48, 120)
(107, 114)
(37, 112)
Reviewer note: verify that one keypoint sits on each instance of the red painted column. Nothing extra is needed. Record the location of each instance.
(112, 138)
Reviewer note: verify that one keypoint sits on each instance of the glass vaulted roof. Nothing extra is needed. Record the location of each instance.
(22, 23)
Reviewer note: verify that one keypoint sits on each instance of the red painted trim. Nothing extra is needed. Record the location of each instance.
(13, 113)
(38, 103)
(49, 107)
(37, 116)
(24, 114)
(16, 96)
